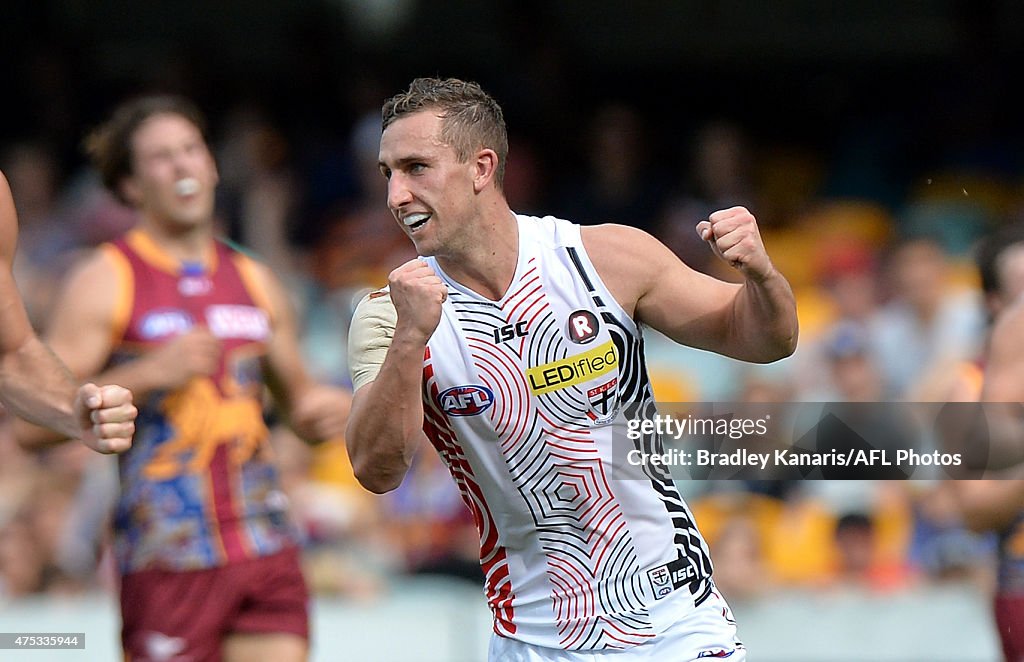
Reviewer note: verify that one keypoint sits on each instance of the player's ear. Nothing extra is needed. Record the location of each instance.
(485, 168)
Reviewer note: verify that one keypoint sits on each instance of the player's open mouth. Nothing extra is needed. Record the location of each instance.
(416, 221)
(186, 186)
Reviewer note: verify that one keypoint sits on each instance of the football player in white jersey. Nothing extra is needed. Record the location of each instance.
(502, 344)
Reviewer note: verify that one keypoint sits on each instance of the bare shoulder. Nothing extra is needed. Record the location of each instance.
(627, 259)
(93, 290)
(611, 242)
(99, 269)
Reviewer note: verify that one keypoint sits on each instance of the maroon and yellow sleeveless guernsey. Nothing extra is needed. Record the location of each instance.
(198, 487)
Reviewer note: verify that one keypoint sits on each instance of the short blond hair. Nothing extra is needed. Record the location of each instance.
(471, 118)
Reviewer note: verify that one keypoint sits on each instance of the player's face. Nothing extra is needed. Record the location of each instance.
(430, 192)
(173, 173)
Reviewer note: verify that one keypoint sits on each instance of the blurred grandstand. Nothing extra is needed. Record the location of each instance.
(875, 146)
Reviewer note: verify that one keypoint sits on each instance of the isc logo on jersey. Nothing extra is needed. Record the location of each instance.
(466, 400)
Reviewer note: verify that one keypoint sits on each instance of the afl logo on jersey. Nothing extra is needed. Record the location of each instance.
(466, 400)
(583, 326)
(164, 322)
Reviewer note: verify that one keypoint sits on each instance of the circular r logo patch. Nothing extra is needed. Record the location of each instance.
(583, 326)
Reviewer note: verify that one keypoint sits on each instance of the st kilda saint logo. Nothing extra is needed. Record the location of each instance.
(582, 327)
(602, 398)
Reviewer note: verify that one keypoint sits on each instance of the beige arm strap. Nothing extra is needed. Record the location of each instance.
(369, 336)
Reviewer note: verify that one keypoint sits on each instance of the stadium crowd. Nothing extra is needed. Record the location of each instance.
(887, 291)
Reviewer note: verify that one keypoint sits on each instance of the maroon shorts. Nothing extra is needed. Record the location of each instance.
(184, 616)
(1010, 621)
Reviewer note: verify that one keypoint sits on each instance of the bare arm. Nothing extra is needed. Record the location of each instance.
(79, 332)
(753, 321)
(34, 384)
(1004, 369)
(386, 424)
(316, 412)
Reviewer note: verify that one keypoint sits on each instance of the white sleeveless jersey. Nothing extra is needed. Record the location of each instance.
(522, 398)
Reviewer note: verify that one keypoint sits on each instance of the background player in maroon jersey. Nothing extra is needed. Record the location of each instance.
(33, 382)
(206, 550)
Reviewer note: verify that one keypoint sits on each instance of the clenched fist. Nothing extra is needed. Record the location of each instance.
(734, 237)
(106, 416)
(417, 293)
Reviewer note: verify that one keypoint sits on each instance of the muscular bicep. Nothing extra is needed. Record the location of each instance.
(80, 330)
(654, 286)
(15, 327)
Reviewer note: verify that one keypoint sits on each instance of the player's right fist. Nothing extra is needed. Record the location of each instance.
(417, 293)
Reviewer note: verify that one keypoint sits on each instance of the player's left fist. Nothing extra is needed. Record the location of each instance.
(106, 416)
(734, 237)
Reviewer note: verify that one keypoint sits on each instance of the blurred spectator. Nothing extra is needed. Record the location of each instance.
(849, 365)
(741, 572)
(359, 244)
(794, 536)
(258, 190)
(858, 559)
(37, 502)
(94, 215)
(942, 547)
(619, 185)
(21, 569)
(427, 523)
(336, 517)
(524, 179)
(42, 257)
(926, 328)
(716, 177)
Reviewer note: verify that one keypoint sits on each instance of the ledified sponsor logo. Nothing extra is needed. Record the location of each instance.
(573, 370)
